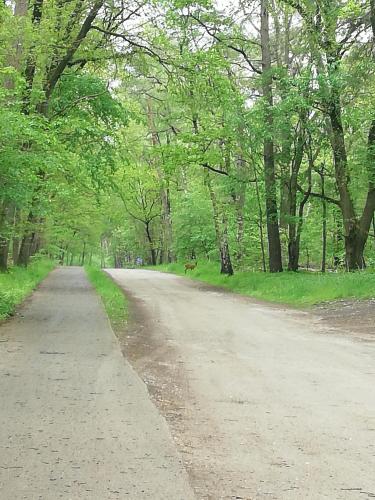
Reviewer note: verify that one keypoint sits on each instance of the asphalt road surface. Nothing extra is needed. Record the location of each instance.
(76, 422)
(261, 401)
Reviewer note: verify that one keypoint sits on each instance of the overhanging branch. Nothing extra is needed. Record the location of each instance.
(318, 195)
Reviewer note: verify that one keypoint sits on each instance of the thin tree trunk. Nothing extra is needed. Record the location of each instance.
(166, 223)
(324, 222)
(4, 250)
(83, 256)
(62, 255)
(240, 205)
(151, 244)
(274, 245)
(15, 250)
(221, 230)
(166, 254)
(240, 198)
(226, 263)
(4, 240)
(15, 238)
(260, 223)
(282, 49)
(26, 241)
(295, 248)
(294, 222)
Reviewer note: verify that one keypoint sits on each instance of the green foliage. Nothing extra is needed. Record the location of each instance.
(113, 298)
(192, 223)
(86, 94)
(151, 142)
(19, 282)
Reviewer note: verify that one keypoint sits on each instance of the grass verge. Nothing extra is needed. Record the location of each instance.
(298, 289)
(113, 298)
(19, 282)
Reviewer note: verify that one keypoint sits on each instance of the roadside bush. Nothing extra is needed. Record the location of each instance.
(18, 283)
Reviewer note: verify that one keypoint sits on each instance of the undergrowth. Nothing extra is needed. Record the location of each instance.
(113, 298)
(18, 283)
(300, 289)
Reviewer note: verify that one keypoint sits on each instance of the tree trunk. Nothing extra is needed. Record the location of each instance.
(15, 250)
(25, 249)
(62, 255)
(13, 59)
(282, 51)
(293, 254)
(4, 240)
(324, 238)
(295, 223)
(31, 239)
(226, 263)
(356, 230)
(166, 255)
(240, 205)
(221, 230)
(240, 198)
(15, 237)
(324, 222)
(36, 244)
(151, 244)
(294, 243)
(166, 223)
(354, 250)
(83, 256)
(260, 223)
(58, 67)
(274, 245)
(4, 250)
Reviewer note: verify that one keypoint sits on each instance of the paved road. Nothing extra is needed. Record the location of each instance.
(262, 403)
(76, 422)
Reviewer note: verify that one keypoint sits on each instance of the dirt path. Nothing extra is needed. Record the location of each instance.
(76, 422)
(349, 316)
(261, 401)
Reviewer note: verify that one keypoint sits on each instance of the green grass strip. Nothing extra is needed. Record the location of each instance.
(298, 289)
(113, 298)
(19, 282)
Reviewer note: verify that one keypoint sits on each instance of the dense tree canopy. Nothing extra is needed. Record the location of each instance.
(178, 130)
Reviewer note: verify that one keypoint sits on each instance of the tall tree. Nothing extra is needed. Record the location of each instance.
(274, 245)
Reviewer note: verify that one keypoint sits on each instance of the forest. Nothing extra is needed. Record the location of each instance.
(241, 133)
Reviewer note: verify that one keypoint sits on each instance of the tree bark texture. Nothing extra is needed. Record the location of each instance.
(274, 245)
